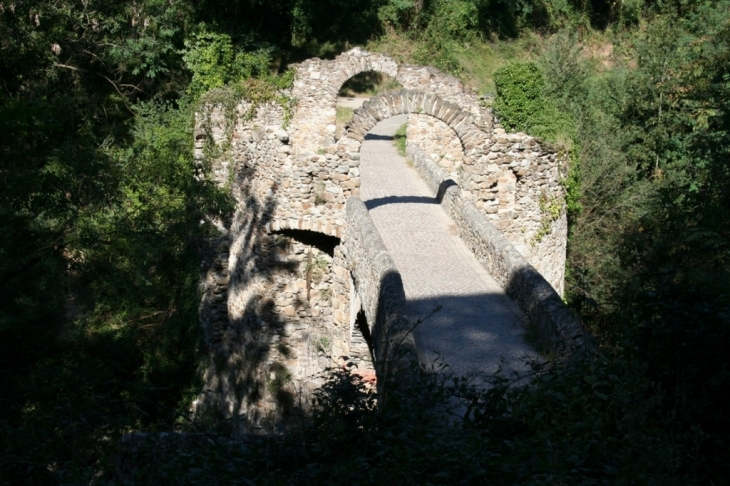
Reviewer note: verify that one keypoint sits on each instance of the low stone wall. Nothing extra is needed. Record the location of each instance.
(380, 287)
(523, 283)
(515, 181)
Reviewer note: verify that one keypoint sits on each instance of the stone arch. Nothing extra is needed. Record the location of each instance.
(317, 83)
(351, 66)
(417, 102)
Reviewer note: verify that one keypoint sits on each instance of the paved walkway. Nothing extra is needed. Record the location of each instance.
(478, 324)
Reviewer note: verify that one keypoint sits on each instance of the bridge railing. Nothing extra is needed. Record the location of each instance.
(380, 287)
(554, 323)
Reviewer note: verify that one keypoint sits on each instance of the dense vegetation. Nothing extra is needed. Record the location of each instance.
(102, 239)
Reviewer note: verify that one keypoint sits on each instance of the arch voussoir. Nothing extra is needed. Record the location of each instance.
(429, 104)
(416, 102)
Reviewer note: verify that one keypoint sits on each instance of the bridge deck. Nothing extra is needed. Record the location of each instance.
(478, 324)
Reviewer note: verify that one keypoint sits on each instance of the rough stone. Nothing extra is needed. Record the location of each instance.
(299, 177)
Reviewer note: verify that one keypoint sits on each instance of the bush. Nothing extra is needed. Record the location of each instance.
(519, 93)
(521, 103)
(214, 61)
(595, 422)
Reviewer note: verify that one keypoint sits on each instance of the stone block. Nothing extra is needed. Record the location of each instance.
(290, 311)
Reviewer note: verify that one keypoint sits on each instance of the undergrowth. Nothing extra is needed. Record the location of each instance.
(594, 422)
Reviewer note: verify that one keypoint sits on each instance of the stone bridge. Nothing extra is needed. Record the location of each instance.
(305, 272)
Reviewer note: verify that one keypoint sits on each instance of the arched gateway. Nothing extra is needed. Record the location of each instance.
(275, 306)
(318, 82)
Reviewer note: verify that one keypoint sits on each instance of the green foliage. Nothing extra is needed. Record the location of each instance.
(215, 62)
(333, 21)
(455, 19)
(131, 357)
(550, 211)
(281, 376)
(597, 422)
(525, 102)
(647, 253)
(400, 140)
(522, 105)
(520, 93)
(401, 15)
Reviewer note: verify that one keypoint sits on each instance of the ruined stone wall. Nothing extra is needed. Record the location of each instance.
(317, 83)
(275, 310)
(549, 317)
(304, 191)
(437, 140)
(516, 184)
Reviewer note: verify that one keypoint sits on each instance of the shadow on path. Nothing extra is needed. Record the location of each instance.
(382, 201)
(373, 136)
(474, 333)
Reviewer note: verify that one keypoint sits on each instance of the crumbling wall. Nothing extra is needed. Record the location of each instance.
(275, 310)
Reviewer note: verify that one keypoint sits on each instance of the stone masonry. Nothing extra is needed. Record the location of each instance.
(278, 310)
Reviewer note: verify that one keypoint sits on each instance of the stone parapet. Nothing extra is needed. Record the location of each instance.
(539, 301)
(380, 287)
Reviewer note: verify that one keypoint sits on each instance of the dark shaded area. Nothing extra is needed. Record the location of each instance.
(368, 82)
(362, 326)
(472, 333)
(442, 189)
(299, 29)
(323, 242)
(382, 201)
(394, 351)
(372, 136)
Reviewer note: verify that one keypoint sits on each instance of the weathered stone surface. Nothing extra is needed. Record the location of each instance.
(537, 298)
(260, 312)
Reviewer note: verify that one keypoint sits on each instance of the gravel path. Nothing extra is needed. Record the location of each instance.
(477, 324)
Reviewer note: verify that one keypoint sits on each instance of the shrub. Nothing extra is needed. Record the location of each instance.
(214, 61)
(522, 105)
(519, 94)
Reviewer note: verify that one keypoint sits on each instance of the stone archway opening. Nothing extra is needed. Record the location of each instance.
(361, 344)
(368, 84)
(314, 239)
(466, 135)
(356, 90)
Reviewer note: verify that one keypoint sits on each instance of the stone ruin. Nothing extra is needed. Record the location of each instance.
(289, 287)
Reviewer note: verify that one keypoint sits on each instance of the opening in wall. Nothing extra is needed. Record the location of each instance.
(322, 242)
(356, 90)
(363, 329)
(368, 84)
